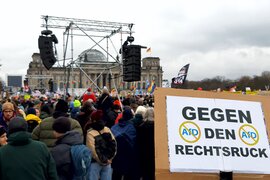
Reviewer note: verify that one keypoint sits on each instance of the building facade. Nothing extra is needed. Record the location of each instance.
(91, 70)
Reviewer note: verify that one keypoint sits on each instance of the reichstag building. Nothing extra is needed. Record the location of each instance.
(92, 70)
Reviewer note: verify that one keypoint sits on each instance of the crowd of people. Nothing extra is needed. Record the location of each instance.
(37, 136)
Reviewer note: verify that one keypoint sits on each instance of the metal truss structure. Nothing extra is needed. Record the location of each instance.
(107, 27)
(100, 31)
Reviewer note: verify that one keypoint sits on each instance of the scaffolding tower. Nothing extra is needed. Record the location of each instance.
(97, 32)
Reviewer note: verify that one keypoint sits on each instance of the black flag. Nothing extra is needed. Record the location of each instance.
(182, 75)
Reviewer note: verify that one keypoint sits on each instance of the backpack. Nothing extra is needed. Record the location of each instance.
(105, 146)
(81, 160)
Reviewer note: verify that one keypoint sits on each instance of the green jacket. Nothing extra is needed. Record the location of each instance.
(23, 158)
(44, 132)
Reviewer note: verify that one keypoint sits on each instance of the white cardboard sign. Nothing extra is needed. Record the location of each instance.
(212, 135)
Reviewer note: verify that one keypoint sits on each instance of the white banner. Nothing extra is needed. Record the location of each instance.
(212, 135)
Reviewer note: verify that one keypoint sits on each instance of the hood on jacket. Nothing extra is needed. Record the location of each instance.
(137, 120)
(70, 138)
(127, 114)
(57, 114)
(19, 138)
(32, 117)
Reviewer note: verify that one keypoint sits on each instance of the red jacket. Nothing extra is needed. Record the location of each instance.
(89, 95)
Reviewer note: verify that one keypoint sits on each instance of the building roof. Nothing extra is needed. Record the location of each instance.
(92, 55)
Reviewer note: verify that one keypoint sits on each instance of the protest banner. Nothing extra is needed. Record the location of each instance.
(199, 133)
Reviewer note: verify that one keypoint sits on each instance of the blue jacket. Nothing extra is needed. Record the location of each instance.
(125, 161)
(74, 112)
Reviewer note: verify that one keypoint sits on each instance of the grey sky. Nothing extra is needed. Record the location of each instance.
(218, 38)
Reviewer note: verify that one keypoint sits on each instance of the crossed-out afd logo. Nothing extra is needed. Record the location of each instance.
(190, 132)
(248, 134)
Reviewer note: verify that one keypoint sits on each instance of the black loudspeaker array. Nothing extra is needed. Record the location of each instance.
(45, 45)
(132, 63)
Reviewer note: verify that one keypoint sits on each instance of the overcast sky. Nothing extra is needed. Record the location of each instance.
(229, 38)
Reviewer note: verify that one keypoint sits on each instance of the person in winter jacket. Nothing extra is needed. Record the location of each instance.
(32, 119)
(8, 112)
(44, 132)
(84, 116)
(75, 109)
(3, 136)
(146, 145)
(45, 111)
(19, 109)
(105, 101)
(112, 115)
(61, 150)
(139, 116)
(89, 95)
(103, 146)
(24, 158)
(125, 163)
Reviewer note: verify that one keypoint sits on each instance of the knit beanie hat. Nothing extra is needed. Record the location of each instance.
(127, 114)
(17, 124)
(61, 125)
(61, 106)
(97, 122)
(116, 107)
(89, 89)
(31, 111)
(117, 102)
(96, 116)
(2, 130)
(8, 106)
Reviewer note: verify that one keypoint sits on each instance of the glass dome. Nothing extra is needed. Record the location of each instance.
(92, 55)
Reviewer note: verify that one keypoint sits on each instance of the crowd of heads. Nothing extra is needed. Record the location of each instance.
(68, 114)
(41, 107)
